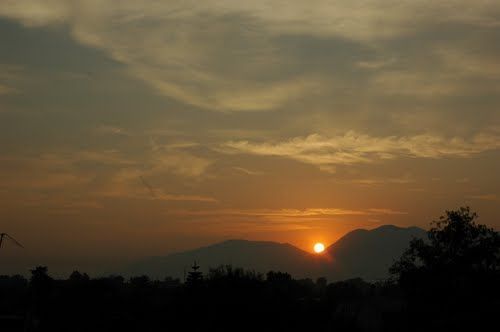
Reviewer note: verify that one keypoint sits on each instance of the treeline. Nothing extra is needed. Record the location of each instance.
(449, 282)
(226, 299)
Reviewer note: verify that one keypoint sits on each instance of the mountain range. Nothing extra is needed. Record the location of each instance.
(361, 253)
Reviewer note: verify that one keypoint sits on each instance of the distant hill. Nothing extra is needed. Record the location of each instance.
(369, 253)
(360, 253)
(261, 256)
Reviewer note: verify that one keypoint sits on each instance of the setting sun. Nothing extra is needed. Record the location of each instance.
(319, 248)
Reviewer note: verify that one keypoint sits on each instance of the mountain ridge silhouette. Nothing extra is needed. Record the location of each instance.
(359, 253)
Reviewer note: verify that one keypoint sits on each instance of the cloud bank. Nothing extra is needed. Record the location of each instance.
(226, 55)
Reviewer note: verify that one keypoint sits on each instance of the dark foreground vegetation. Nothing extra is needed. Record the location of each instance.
(449, 282)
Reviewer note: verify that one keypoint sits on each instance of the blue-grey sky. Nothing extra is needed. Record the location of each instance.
(137, 128)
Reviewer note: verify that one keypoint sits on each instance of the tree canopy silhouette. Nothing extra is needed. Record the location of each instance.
(456, 247)
(452, 276)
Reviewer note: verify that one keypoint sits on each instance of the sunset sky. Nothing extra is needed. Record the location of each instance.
(140, 128)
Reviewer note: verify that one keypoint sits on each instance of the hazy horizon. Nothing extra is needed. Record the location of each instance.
(141, 128)
(115, 265)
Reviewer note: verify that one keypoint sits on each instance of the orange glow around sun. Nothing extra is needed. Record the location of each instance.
(319, 248)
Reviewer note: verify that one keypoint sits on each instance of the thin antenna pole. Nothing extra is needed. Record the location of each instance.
(7, 236)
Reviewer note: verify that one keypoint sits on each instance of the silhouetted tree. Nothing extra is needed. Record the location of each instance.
(273, 276)
(77, 277)
(170, 282)
(140, 281)
(321, 282)
(457, 246)
(194, 277)
(452, 279)
(40, 279)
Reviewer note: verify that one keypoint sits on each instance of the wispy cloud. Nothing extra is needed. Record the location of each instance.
(98, 174)
(9, 76)
(290, 213)
(247, 171)
(177, 158)
(110, 130)
(380, 181)
(354, 148)
(158, 194)
(192, 65)
(133, 192)
(4, 90)
(486, 197)
(235, 221)
(325, 17)
(385, 211)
